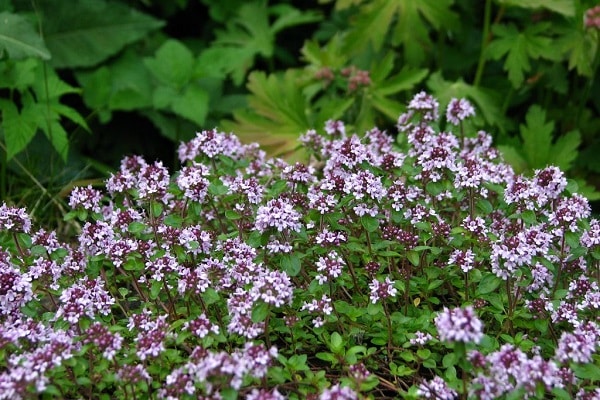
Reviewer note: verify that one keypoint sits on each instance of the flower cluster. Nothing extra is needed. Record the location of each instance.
(417, 268)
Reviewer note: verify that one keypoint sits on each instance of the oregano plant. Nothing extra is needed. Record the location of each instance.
(426, 269)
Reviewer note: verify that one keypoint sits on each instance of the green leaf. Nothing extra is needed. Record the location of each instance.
(581, 46)
(413, 257)
(488, 284)
(193, 104)
(537, 137)
(290, 263)
(564, 151)
(487, 101)
(564, 7)
(19, 128)
(288, 16)
(18, 74)
(58, 137)
(125, 84)
(520, 47)
(587, 371)
(512, 156)
(409, 20)
(371, 224)
(278, 116)
(260, 312)
(173, 64)
(83, 33)
(336, 344)
(19, 39)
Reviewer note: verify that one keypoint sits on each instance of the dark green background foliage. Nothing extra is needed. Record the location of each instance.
(85, 82)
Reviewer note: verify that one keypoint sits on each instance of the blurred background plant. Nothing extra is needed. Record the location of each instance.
(85, 82)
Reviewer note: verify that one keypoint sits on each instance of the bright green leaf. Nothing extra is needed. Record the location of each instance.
(193, 104)
(173, 64)
(18, 74)
(260, 312)
(19, 39)
(19, 128)
(520, 47)
(83, 33)
(537, 137)
(288, 16)
(564, 151)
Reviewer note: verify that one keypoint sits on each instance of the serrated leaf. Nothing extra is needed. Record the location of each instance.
(581, 47)
(19, 128)
(537, 137)
(83, 33)
(173, 64)
(19, 39)
(288, 16)
(18, 74)
(278, 116)
(564, 151)
(520, 47)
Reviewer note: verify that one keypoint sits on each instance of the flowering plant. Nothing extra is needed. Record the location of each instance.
(375, 270)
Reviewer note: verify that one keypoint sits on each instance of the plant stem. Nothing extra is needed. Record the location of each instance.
(485, 38)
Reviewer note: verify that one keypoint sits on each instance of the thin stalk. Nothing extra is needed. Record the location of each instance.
(389, 329)
(485, 38)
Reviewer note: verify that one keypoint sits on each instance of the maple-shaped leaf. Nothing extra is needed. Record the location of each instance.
(413, 22)
(581, 46)
(537, 149)
(277, 113)
(251, 34)
(519, 47)
(537, 137)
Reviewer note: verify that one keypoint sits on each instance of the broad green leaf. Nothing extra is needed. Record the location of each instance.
(409, 20)
(83, 33)
(487, 101)
(537, 137)
(375, 18)
(260, 312)
(278, 116)
(125, 84)
(48, 86)
(164, 96)
(520, 47)
(71, 114)
(19, 128)
(18, 38)
(173, 64)
(564, 7)
(18, 74)
(193, 104)
(406, 79)
(564, 151)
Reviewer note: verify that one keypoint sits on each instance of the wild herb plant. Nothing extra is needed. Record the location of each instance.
(373, 270)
